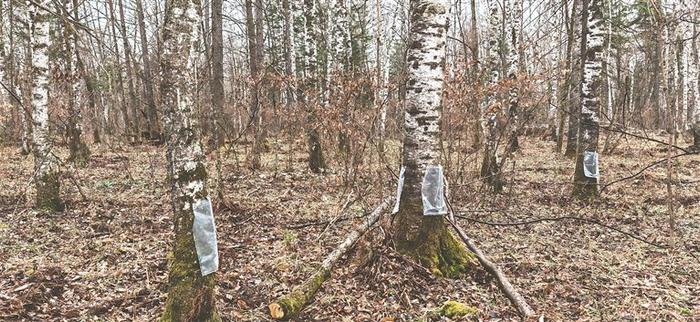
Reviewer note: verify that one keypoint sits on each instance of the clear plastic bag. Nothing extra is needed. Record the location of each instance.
(399, 189)
(590, 164)
(204, 232)
(433, 192)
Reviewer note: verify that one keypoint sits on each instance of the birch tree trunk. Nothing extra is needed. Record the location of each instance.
(316, 160)
(46, 172)
(491, 107)
(339, 65)
(20, 59)
(586, 187)
(425, 238)
(516, 14)
(288, 51)
(190, 295)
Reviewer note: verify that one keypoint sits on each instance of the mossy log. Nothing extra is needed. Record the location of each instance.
(513, 295)
(291, 304)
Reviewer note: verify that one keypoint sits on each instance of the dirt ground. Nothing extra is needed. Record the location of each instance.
(105, 257)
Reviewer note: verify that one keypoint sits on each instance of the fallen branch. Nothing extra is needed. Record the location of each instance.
(289, 305)
(503, 283)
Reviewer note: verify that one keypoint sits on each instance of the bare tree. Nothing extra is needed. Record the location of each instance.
(190, 294)
(153, 124)
(425, 238)
(46, 172)
(79, 151)
(316, 160)
(586, 175)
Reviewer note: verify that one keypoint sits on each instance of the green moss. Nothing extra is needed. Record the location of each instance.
(440, 252)
(292, 303)
(452, 309)
(47, 192)
(190, 295)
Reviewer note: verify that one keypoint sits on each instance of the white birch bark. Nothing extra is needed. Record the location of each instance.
(515, 24)
(490, 107)
(340, 36)
(20, 27)
(45, 162)
(426, 63)
(299, 36)
(190, 295)
(586, 187)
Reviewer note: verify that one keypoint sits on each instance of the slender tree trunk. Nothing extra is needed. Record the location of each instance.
(135, 110)
(573, 99)
(586, 186)
(20, 59)
(695, 88)
(476, 77)
(79, 151)
(190, 295)
(491, 106)
(217, 83)
(565, 89)
(46, 172)
(514, 57)
(152, 121)
(259, 137)
(288, 52)
(316, 160)
(129, 129)
(426, 238)
(253, 161)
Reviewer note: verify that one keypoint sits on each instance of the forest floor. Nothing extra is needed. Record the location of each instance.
(105, 257)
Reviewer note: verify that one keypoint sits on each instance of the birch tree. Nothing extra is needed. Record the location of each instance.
(316, 160)
(490, 107)
(19, 67)
(190, 295)
(515, 26)
(586, 184)
(425, 238)
(46, 172)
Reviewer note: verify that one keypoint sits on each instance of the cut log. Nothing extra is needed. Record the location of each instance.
(291, 304)
(513, 295)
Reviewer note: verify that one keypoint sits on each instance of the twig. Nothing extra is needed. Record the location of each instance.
(513, 295)
(646, 168)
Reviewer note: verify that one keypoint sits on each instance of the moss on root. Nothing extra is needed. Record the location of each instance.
(289, 305)
(453, 309)
(444, 256)
(427, 240)
(47, 192)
